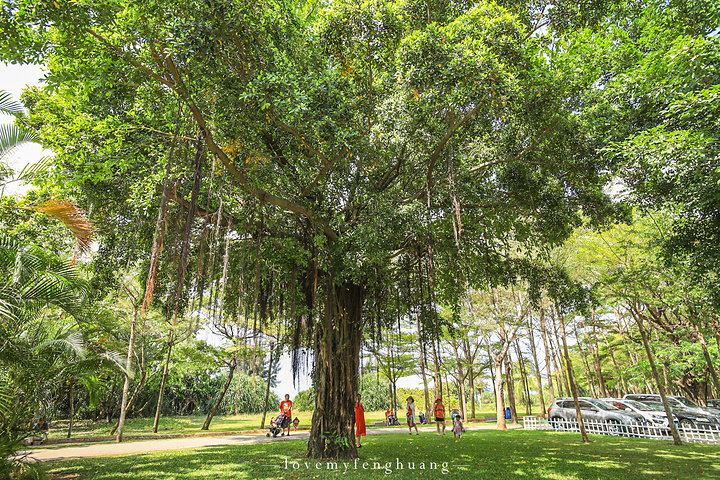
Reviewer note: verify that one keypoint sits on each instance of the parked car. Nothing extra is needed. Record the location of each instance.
(689, 418)
(678, 401)
(593, 409)
(654, 414)
(714, 403)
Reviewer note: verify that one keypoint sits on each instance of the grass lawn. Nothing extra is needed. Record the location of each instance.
(480, 454)
(192, 424)
(173, 425)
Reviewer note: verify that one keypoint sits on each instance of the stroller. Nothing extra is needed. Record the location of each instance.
(392, 420)
(456, 414)
(277, 424)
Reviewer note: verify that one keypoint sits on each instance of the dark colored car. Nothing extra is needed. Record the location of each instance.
(594, 409)
(690, 419)
(715, 403)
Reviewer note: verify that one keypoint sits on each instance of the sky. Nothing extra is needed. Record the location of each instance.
(14, 79)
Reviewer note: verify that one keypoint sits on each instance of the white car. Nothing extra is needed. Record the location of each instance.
(654, 414)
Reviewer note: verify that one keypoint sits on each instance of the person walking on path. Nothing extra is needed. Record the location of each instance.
(439, 414)
(286, 409)
(359, 422)
(410, 415)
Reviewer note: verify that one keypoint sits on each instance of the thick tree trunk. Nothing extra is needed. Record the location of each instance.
(211, 414)
(337, 349)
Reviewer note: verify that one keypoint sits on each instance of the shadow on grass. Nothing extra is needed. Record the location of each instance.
(478, 455)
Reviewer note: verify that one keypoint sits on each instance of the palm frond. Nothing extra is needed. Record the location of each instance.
(34, 170)
(11, 137)
(8, 105)
(70, 342)
(72, 216)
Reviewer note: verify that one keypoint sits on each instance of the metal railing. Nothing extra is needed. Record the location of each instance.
(698, 434)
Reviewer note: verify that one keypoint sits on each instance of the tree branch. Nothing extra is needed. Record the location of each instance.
(517, 157)
(323, 172)
(303, 143)
(177, 85)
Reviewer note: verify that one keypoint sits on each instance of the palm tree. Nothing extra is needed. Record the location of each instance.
(42, 302)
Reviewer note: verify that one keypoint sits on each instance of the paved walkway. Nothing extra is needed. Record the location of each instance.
(135, 447)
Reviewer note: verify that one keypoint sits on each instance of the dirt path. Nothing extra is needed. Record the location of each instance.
(129, 448)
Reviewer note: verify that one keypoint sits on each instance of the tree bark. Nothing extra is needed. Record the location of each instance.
(461, 383)
(598, 365)
(128, 364)
(524, 378)
(511, 389)
(571, 379)
(163, 380)
(617, 368)
(211, 414)
(499, 393)
(538, 377)
(543, 331)
(708, 360)
(71, 394)
(661, 387)
(423, 368)
(563, 366)
(337, 348)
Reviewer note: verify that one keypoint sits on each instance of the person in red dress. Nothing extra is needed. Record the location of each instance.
(359, 421)
(286, 408)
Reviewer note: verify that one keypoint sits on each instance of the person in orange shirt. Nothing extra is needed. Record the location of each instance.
(359, 421)
(286, 409)
(439, 414)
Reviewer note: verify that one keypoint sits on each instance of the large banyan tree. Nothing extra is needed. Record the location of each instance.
(351, 139)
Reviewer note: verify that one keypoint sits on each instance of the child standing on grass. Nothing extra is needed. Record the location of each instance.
(410, 415)
(457, 427)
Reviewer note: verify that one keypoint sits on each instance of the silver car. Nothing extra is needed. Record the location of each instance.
(654, 415)
(593, 409)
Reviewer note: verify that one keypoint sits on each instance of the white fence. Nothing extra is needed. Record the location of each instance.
(699, 434)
